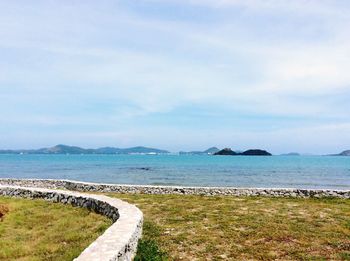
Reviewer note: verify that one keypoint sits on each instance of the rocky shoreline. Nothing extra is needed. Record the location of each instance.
(205, 191)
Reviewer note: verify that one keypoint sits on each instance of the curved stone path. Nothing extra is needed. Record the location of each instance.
(118, 242)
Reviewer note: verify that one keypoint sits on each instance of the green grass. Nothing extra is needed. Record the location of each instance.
(179, 227)
(40, 230)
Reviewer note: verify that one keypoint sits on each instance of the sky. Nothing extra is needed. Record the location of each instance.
(176, 74)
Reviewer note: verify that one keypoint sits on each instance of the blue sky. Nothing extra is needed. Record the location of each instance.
(179, 75)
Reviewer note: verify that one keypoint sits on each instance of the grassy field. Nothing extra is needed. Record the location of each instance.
(242, 228)
(40, 230)
(179, 227)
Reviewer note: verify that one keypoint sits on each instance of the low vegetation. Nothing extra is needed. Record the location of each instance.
(40, 230)
(181, 227)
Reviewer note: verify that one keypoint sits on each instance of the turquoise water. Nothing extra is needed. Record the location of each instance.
(188, 170)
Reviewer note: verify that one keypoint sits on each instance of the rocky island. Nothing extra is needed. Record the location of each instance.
(254, 152)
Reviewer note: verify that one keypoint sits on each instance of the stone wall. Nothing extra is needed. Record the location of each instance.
(118, 242)
(207, 191)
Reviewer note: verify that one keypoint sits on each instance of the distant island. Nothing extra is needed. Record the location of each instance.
(254, 152)
(291, 154)
(344, 153)
(65, 149)
(209, 151)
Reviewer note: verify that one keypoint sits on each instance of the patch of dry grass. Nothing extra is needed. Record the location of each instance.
(40, 230)
(3, 210)
(246, 228)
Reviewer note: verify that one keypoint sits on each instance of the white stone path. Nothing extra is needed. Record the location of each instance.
(118, 242)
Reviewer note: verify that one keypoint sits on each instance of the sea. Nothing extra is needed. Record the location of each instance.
(317, 172)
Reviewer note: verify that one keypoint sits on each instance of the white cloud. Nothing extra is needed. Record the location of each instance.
(320, 7)
(54, 53)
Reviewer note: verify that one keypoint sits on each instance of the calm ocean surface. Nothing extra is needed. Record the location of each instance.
(188, 170)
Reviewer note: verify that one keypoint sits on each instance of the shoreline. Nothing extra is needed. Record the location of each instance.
(185, 190)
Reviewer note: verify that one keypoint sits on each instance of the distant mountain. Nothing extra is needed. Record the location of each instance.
(255, 152)
(226, 152)
(143, 150)
(61, 149)
(291, 154)
(211, 150)
(65, 149)
(108, 150)
(344, 153)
